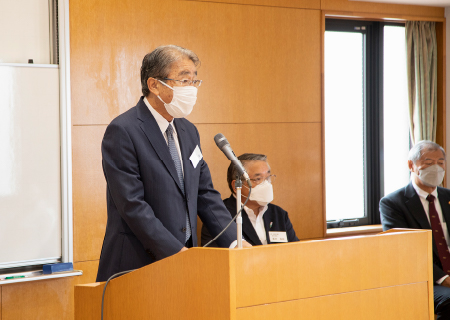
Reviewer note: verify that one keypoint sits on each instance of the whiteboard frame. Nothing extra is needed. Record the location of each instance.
(65, 141)
(66, 132)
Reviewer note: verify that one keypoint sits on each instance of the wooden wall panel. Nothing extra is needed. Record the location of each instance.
(38, 300)
(375, 304)
(259, 64)
(299, 4)
(89, 272)
(45, 299)
(295, 156)
(294, 153)
(382, 8)
(89, 192)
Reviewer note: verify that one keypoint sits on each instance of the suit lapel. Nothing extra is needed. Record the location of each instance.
(444, 201)
(267, 218)
(157, 140)
(415, 206)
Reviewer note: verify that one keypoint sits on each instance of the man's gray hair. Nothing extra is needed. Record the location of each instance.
(156, 64)
(421, 147)
(244, 158)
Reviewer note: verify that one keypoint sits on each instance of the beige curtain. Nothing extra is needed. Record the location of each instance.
(422, 79)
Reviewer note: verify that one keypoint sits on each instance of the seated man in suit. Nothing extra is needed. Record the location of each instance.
(424, 205)
(262, 222)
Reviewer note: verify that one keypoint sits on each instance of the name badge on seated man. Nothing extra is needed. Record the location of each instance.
(278, 236)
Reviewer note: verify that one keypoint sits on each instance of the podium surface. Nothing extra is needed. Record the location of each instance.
(385, 276)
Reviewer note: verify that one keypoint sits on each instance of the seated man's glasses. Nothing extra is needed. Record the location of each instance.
(259, 180)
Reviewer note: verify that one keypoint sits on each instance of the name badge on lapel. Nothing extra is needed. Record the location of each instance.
(278, 236)
(196, 156)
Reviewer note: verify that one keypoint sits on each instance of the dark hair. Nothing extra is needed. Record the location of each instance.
(156, 64)
(244, 158)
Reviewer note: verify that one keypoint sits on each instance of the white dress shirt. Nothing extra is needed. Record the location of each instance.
(257, 222)
(163, 125)
(426, 205)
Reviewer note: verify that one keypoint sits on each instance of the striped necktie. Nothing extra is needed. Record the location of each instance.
(177, 162)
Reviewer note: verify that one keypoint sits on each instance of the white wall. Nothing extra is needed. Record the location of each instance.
(24, 31)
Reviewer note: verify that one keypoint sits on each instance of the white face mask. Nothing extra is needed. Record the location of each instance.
(432, 176)
(183, 101)
(262, 193)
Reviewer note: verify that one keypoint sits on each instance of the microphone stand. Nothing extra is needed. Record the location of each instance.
(238, 208)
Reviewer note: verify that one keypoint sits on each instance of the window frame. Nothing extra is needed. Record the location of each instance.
(373, 94)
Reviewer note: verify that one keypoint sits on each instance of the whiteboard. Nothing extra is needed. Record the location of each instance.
(25, 26)
(30, 165)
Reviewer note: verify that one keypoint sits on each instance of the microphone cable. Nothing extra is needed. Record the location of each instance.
(229, 224)
(110, 278)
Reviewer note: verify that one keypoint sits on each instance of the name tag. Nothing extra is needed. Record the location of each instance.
(278, 236)
(196, 156)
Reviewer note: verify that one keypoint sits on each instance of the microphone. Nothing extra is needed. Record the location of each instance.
(224, 145)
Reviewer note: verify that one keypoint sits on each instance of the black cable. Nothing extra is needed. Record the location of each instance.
(242, 207)
(110, 278)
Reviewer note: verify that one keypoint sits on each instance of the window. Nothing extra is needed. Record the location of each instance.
(366, 118)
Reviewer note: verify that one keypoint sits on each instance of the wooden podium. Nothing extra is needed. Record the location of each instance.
(385, 276)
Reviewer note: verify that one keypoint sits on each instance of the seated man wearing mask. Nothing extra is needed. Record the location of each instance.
(262, 222)
(424, 205)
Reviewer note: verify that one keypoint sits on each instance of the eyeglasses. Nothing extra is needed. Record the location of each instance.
(185, 83)
(269, 179)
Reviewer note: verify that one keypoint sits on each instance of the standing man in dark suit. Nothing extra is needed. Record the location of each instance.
(262, 222)
(424, 205)
(157, 180)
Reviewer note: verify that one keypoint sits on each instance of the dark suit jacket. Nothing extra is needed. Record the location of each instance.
(146, 207)
(275, 219)
(403, 209)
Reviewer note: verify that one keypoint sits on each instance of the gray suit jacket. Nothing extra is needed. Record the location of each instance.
(146, 206)
(403, 209)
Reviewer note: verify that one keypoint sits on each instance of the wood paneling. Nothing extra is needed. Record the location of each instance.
(358, 263)
(382, 8)
(210, 290)
(259, 64)
(294, 154)
(89, 192)
(410, 303)
(45, 299)
(299, 4)
(361, 278)
(89, 269)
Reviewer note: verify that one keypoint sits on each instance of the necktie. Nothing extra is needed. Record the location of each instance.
(177, 162)
(438, 235)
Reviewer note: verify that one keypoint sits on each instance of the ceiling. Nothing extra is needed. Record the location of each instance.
(434, 3)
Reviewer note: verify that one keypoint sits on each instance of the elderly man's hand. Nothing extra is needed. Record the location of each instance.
(245, 244)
